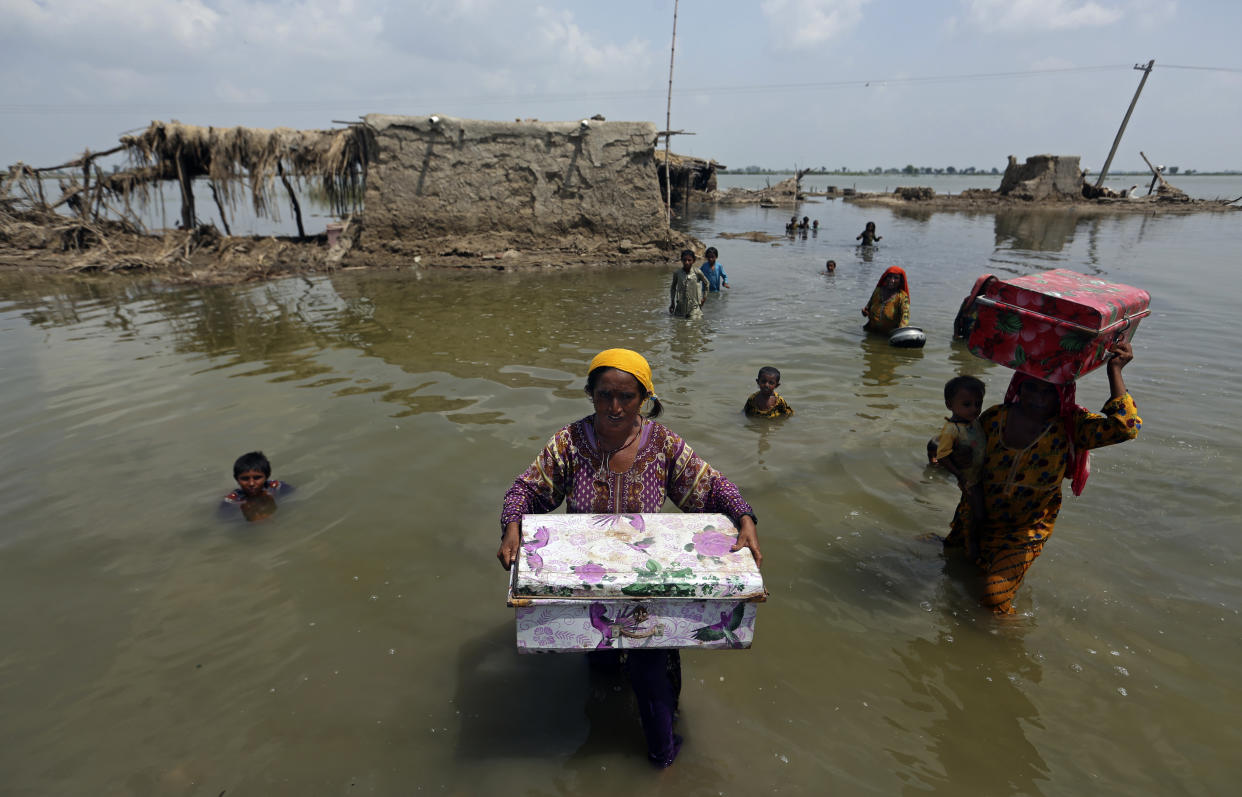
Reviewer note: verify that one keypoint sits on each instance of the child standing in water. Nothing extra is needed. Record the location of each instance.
(688, 290)
(766, 403)
(714, 272)
(868, 236)
(960, 448)
(256, 489)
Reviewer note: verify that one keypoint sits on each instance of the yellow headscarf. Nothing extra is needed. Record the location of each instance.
(631, 362)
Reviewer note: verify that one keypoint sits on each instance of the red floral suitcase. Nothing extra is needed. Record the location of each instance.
(1057, 325)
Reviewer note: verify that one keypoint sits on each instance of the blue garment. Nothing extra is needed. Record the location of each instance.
(714, 276)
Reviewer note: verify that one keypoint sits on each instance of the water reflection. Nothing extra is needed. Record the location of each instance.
(971, 688)
(514, 705)
(762, 428)
(879, 365)
(913, 212)
(963, 362)
(689, 339)
(1033, 230)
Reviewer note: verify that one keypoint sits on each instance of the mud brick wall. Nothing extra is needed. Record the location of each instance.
(1043, 177)
(429, 179)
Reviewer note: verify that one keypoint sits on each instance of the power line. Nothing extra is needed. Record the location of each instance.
(594, 96)
(1200, 68)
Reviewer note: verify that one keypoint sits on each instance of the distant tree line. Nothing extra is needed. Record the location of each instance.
(911, 169)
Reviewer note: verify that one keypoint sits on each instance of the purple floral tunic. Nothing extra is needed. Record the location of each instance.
(570, 468)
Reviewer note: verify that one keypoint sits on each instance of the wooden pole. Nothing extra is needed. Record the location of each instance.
(85, 207)
(293, 199)
(1116, 141)
(188, 217)
(220, 207)
(668, 123)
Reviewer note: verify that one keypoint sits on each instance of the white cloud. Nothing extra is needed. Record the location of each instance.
(1154, 14)
(188, 23)
(1036, 15)
(559, 32)
(805, 23)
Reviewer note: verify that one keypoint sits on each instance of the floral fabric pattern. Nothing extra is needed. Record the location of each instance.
(1057, 325)
(669, 581)
(628, 625)
(674, 555)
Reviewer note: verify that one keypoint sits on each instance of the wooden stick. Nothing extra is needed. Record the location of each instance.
(187, 196)
(220, 207)
(1155, 171)
(293, 200)
(88, 155)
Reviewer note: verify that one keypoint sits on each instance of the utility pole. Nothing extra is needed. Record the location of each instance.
(1146, 70)
(668, 126)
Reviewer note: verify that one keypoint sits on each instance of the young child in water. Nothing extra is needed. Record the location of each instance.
(961, 445)
(766, 403)
(256, 489)
(830, 267)
(868, 236)
(714, 272)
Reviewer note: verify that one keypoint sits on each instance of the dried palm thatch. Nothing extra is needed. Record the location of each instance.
(235, 156)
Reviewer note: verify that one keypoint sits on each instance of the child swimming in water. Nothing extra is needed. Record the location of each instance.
(255, 486)
(960, 447)
(766, 403)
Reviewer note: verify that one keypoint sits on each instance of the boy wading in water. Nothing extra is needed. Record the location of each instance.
(688, 290)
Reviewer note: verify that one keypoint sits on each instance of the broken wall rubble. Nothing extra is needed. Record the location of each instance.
(1043, 177)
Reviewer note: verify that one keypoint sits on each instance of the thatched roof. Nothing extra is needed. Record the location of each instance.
(231, 156)
(676, 161)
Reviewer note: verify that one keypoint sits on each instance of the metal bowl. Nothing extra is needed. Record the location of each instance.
(907, 338)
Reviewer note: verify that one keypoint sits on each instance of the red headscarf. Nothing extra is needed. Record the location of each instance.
(905, 286)
(1080, 461)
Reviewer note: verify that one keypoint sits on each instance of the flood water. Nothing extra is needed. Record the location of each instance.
(358, 642)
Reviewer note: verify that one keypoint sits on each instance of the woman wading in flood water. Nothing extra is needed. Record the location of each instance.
(618, 461)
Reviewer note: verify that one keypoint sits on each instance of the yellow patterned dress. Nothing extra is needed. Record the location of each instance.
(1022, 491)
(885, 315)
(779, 409)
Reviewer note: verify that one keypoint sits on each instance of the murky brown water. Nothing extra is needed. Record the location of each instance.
(357, 642)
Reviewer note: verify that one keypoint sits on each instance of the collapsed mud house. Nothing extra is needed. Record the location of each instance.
(1046, 181)
(424, 190)
(693, 179)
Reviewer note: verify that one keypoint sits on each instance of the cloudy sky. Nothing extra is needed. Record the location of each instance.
(856, 83)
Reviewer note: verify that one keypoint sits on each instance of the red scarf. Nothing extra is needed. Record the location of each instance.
(905, 286)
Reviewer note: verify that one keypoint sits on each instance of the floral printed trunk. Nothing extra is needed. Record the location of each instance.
(1057, 325)
(625, 581)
